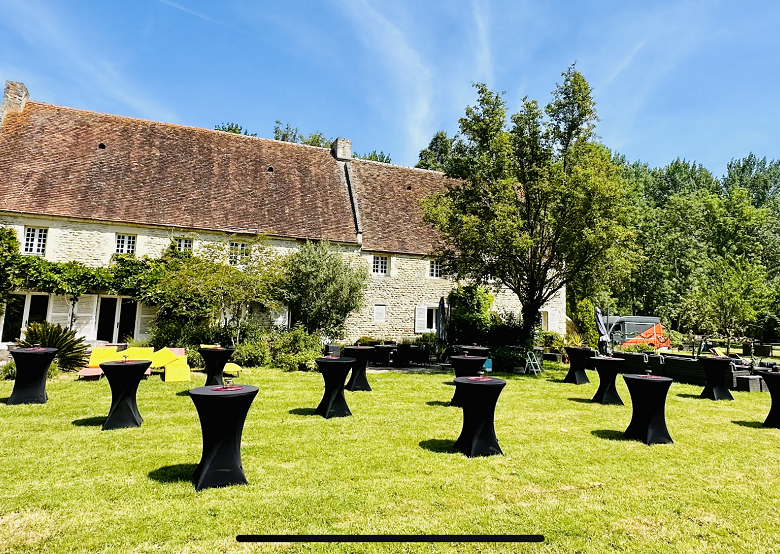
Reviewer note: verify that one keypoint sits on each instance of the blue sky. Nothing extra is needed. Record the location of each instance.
(698, 80)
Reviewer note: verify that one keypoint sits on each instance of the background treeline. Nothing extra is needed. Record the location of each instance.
(707, 249)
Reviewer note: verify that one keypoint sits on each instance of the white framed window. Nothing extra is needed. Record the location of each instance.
(380, 265)
(35, 241)
(379, 313)
(183, 244)
(125, 244)
(425, 318)
(435, 270)
(239, 253)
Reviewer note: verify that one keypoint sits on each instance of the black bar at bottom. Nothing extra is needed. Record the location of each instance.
(390, 538)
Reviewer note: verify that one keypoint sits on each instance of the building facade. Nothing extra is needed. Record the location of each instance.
(81, 185)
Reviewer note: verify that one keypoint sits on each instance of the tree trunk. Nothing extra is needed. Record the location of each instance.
(531, 316)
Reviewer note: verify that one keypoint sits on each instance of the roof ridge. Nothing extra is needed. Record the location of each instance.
(167, 123)
(398, 165)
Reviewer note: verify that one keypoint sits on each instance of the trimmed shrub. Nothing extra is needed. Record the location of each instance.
(506, 359)
(252, 354)
(550, 340)
(294, 348)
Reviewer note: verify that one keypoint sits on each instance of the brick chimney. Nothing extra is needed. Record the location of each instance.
(341, 149)
(14, 99)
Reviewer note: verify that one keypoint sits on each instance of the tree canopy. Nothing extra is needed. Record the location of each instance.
(539, 203)
(233, 128)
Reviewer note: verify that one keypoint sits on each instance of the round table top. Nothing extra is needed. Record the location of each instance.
(216, 349)
(467, 357)
(482, 381)
(335, 360)
(359, 347)
(385, 346)
(649, 378)
(33, 350)
(224, 390)
(125, 363)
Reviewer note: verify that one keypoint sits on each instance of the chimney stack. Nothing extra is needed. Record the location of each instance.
(341, 149)
(14, 99)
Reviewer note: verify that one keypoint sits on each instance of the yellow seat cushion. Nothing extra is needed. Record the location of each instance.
(163, 357)
(177, 372)
(99, 354)
(209, 346)
(230, 367)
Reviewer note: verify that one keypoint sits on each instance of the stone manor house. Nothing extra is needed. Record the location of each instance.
(81, 185)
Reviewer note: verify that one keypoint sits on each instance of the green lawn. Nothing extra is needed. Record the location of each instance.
(67, 486)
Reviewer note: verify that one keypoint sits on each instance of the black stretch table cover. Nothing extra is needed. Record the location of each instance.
(124, 377)
(382, 354)
(334, 372)
(465, 366)
(607, 368)
(222, 415)
(772, 380)
(648, 397)
(357, 380)
(715, 368)
(578, 357)
(476, 350)
(32, 368)
(215, 360)
(478, 437)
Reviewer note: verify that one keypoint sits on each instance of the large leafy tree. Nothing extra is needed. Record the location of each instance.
(539, 203)
(321, 288)
(730, 296)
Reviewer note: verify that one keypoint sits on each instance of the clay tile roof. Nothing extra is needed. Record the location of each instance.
(163, 174)
(388, 202)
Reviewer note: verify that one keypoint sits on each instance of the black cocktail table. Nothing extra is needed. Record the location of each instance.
(607, 368)
(334, 372)
(222, 411)
(715, 368)
(382, 354)
(124, 377)
(772, 380)
(648, 397)
(465, 366)
(479, 396)
(357, 380)
(578, 357)
(32, 368)
(215, 360)
(476, 350)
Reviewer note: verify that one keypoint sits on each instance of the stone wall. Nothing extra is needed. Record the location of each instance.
(406, 291)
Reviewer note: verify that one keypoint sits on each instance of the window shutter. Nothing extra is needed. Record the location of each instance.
(420, 319)
(552, 320)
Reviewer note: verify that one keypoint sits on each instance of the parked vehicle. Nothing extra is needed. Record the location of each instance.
(637, 329)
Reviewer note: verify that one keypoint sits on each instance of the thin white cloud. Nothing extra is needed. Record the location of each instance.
(47, 33)
(624, 63)
(483, 57)
(191, 12)
(409, 71)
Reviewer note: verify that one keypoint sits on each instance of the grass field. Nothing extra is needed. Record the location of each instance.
(67, 486)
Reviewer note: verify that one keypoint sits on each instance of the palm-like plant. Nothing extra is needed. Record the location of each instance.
(71, 350)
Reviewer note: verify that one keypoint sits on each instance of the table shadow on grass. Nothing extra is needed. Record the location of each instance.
(303, 411)
(753, 424)
(687, 395)
(438, 403)
(183, 393)
(96, 421)
(4, 400)
(581, 400)
(609, 434)
(440, 446)
(173, 474)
